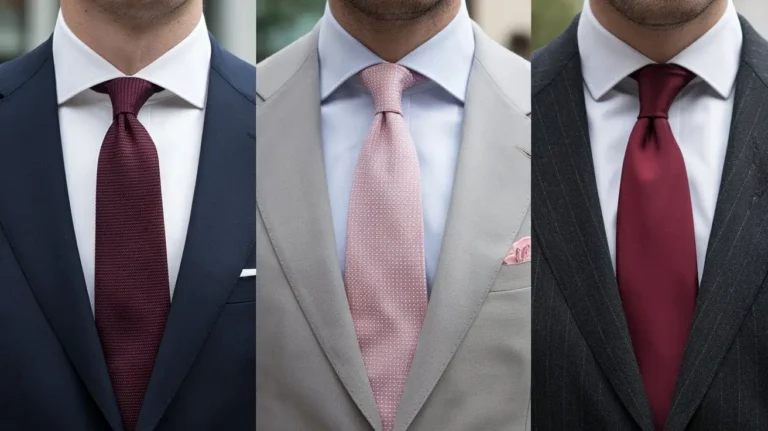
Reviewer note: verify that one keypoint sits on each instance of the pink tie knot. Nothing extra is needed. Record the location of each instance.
(386, 82)
(128, 95)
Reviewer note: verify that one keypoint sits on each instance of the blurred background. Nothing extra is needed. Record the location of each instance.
(24, 24)
(280, 22)
(551, 17)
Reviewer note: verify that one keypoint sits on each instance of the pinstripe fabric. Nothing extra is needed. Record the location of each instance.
(585, 376)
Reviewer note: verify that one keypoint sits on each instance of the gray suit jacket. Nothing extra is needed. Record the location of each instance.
(471, 370)
(585, 376)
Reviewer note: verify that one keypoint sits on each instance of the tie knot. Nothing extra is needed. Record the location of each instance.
(659, 84)
(386, 82)
(128, 95)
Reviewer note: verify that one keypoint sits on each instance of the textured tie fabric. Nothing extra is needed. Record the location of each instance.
(131, 274)
(385, 275)
(655, 243)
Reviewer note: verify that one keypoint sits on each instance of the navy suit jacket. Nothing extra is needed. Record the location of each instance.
(52, 370)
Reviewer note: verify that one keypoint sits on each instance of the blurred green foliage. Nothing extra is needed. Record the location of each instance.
(280, 22)
(550, 17)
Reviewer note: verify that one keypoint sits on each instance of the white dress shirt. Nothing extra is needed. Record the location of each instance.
(433, 111)
(174, 119)
(700, 117)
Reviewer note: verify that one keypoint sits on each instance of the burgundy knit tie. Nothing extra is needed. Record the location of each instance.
(132, 287)
(655, 243)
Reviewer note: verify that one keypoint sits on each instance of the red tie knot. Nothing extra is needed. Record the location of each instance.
(386, 82)
(128, 95)
(659, 84)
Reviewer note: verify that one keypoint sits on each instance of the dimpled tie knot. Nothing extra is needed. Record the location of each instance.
(128, 95)
(384, 274)
(659, 84)
(386, 82)
(132, 293)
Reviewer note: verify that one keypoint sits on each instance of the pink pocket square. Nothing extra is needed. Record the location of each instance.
(520, 252)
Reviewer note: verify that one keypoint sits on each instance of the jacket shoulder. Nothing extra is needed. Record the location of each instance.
(278, 68)
(549, 61)
(15, 73)
(240, 74)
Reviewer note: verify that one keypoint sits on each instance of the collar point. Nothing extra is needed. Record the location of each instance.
(724, 90)
(597, 90)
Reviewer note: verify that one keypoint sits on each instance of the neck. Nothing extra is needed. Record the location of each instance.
(658, 44)
(393, 40)
(129, 46)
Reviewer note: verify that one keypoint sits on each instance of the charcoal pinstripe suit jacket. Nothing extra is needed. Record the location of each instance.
(585, 376)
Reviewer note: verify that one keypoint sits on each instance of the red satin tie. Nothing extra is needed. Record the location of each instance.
(655, 242)
(132, 286)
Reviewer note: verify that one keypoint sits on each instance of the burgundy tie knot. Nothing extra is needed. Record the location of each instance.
(386, 82)
(128, 95)
(659, 84)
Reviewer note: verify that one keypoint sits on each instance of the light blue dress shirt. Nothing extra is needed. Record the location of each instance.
(433, 111)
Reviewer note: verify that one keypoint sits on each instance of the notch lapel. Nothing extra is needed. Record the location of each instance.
(570, 225)
(490, 198)
(295, 208)
(736, 263)
(221, 235)
(36, 218)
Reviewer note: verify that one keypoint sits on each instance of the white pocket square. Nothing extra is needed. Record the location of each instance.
(248, 273)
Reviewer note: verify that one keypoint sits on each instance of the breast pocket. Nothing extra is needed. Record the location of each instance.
(244, 290)
(512, 277)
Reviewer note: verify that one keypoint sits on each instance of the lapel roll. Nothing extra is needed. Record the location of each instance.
(490, 198)
(220, 236)
(566, 210)
(44, 239)
(295, 208)
(736, 262)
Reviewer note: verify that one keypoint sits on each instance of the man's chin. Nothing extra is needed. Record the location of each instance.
(661, 14)
(396, 10)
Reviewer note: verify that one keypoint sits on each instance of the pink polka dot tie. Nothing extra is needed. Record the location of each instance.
(385, 276)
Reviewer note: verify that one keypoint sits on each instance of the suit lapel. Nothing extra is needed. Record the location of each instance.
(294, 205)
(220, 235)
(570, 225)
(490, 198)
(36, 218)
(736, 262)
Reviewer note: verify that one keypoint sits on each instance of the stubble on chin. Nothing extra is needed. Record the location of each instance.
(397, 11)
(141, 12)
(661, 14)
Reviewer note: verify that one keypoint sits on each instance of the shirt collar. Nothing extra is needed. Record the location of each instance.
(445, 59)
(606, 60)
(183, 70)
